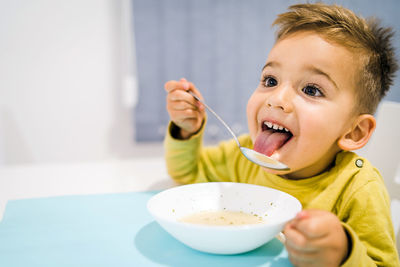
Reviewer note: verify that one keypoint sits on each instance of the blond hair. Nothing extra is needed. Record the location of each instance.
(364, 36)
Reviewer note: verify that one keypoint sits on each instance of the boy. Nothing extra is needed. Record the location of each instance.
(321, 83)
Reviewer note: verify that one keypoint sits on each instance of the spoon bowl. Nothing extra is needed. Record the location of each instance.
(262, 160)
(250, 154)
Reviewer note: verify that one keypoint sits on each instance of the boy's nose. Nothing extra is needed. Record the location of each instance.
(281, 98)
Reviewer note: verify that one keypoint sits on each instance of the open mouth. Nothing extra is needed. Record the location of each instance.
(272, 138)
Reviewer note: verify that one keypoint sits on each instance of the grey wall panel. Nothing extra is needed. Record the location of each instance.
(221, 46)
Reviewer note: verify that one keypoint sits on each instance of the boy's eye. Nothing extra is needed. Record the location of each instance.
(270, 82)
(312, 90)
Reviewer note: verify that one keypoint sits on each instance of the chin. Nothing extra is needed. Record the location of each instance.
(277, 172)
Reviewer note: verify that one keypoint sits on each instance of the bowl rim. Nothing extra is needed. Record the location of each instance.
(219, 227)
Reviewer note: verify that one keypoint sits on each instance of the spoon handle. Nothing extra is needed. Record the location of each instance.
(216, 115)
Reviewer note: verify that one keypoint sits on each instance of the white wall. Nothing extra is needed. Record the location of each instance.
(61, 67)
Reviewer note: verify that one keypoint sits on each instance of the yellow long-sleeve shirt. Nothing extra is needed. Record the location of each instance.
(352, 189)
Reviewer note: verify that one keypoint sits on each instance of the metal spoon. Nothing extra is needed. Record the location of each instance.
(250, 154)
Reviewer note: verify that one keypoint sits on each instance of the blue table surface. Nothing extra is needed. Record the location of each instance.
(105, 230)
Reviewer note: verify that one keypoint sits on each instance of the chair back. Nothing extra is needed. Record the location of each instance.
(383, 150)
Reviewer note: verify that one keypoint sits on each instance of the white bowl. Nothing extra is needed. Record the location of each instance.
(276, 207)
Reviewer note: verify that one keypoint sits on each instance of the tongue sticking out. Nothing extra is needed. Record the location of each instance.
(269, 141)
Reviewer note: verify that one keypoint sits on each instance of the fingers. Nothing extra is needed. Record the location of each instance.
(315, 237)
(184, 110)
(181, 100)
(301, 249)
(312, 223)
(302, 234)
(193, 89)
(176, 85)
(181, 110)
(183, 85)
(297, 241)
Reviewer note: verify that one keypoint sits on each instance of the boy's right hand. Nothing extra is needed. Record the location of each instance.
(185, 111)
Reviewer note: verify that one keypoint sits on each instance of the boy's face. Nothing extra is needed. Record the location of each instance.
(307, 86)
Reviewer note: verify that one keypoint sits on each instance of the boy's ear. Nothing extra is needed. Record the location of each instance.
(359, 134)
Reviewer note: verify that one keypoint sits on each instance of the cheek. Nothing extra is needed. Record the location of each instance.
(319, 131)
(251, 110)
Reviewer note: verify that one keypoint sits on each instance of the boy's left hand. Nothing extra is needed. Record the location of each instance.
(316, 238)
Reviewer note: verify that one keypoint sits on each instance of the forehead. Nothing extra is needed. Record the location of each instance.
(314, 48)
(301, 51)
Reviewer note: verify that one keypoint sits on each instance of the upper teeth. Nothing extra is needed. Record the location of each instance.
(275, 126)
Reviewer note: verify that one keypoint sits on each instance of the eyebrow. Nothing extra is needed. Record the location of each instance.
(311, 68)
(271, 64)
(318, 71)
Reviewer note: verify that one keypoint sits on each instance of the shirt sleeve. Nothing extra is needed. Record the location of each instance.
(189, 162)
(369, 227)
